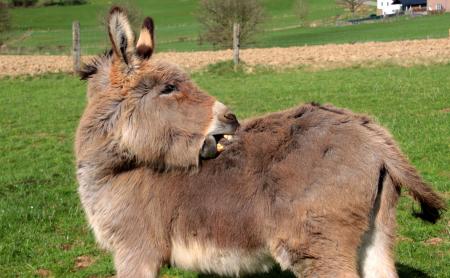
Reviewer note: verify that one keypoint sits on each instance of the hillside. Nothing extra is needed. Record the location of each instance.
(47, 30)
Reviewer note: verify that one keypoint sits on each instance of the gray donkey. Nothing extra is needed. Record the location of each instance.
(313, 188)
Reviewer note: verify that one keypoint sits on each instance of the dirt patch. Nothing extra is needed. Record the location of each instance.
(66, 246)
(403, 53)
(434, 241)
(41, 272)
(400, 238)
(83, 262)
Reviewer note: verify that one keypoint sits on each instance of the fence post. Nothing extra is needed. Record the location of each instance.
(76, 49)
(236, 35)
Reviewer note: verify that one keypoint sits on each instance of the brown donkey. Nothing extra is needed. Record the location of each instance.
(313, 188)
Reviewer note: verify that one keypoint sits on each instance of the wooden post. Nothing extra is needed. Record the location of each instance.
(236, 35)
(76, 49)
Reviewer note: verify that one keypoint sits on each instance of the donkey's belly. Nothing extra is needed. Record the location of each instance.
(208, 258)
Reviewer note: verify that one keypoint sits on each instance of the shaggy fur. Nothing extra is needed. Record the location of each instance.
(313, 188)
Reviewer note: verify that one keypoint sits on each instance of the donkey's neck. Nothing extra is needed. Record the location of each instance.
(98, 158)
(97, 166)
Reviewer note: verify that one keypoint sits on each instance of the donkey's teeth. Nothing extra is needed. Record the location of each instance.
(220, 147)
(228, 137)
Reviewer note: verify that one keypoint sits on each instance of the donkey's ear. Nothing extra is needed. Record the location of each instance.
(146, 42)
(120, 34)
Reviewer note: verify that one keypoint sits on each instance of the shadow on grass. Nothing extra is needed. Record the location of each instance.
(406, 271)
(276, 272)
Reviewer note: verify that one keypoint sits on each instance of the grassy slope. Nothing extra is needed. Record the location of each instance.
(43, 225)
(397, 29)
(48, 29)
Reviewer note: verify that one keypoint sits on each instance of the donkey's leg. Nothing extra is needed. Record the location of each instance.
(327, 267)
(324, 267)
(137, 262)
(376, 254)
(321, 265)
(322, 248)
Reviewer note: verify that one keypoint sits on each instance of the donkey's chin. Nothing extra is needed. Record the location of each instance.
(210, 148)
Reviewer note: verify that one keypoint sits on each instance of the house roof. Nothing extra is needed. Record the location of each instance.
(413, 2)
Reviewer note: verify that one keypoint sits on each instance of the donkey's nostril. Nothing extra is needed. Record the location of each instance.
(230, 117)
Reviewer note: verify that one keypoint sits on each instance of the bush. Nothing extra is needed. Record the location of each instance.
(23, 3)
(64, 2)
(5, 19)
(352, 5)
(133, 12)
(226, 67)
(218, 16)
(301, 10)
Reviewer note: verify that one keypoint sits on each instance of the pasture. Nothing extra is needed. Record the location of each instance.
(48, 29)
(43, 230)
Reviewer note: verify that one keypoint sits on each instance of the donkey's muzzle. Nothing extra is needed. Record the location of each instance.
(226, 123)
(231, 118)
(229, 123)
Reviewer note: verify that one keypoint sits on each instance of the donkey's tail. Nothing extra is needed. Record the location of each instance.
(403, 174)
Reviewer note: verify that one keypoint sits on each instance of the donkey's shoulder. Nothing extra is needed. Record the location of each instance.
(308, 115)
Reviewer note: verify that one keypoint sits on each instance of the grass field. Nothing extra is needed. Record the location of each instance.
(48, 29)
(43, 229)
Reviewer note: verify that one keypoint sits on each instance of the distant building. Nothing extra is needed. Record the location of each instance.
(438, 5)
(409, 4)
(388, 7)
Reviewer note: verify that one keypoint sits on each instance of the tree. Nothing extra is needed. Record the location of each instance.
(218, 16)
(5, 20)
(301, 10)
(134, 13)
(23, 3)
(352, 5)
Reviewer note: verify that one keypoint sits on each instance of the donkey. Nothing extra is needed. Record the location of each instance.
(313, 188)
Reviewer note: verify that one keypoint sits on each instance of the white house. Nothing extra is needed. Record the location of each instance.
(386, 7)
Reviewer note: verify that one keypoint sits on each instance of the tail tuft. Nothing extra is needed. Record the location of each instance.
(429, 213)
(404, 175)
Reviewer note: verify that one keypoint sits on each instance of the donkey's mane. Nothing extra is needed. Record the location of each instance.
(90, 68)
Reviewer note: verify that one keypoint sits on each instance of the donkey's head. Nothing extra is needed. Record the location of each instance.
(147, 110)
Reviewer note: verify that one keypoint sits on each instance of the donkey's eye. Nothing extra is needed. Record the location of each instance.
(169, 89)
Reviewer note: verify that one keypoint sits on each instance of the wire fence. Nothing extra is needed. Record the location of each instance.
(55, 40)
(51, 41)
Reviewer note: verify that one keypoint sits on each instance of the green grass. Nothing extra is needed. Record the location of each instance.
(402, 28)
(42, 222)
(48, 29)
